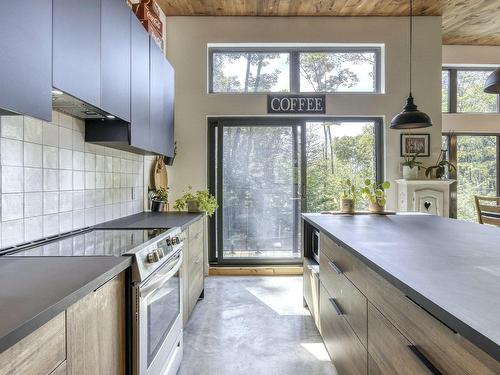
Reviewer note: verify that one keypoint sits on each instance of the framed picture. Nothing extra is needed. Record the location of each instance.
(413, 143)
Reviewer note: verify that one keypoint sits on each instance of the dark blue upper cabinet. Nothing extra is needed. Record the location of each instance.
(169, 107)
(115, 58)
(76, 48)
(26, 58)
(157, 81)
(139, 75)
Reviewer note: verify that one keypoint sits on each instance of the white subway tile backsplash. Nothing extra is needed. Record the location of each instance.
(11, 151)
(65, 159)
(12, 179)
(33, 155)
(53, 182)
(12, 127)
(33, 204)
(33, 228)
(12, 206)
(50, 157)
(33, 179)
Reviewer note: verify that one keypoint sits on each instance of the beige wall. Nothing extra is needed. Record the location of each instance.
(470, 56)
(187, 51)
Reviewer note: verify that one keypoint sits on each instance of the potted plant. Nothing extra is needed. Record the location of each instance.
(439, 169)
(200, 201)
(411, 167)
(159, 199)
(348, 198)
(375, 193)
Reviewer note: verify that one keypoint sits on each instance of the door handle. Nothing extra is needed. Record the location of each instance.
(336, 268)
(422, 358)
(336, 307)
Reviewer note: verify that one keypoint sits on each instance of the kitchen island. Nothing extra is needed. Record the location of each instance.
(425, 287)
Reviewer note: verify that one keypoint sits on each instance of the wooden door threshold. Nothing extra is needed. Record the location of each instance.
(256, 271)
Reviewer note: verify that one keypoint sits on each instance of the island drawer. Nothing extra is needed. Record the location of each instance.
(41, 352)
(390, 353)
(348, 298)
(448, 351)
(346, 351)
(311, 288)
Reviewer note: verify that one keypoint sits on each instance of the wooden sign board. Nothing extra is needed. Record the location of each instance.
(296, 104)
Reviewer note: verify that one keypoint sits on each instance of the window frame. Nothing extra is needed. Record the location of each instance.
(294, 65)
(453, 85)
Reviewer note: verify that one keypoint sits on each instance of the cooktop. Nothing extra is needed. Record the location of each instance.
(91, 242)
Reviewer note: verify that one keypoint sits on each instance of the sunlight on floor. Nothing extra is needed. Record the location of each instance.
(317, 349)
(282, 294)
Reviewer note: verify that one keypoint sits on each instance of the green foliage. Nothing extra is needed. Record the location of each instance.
(439, 170)
(375, 192)
(206, 201)
(411, 161)
(349, 190)
(160, 195)
(470, 95)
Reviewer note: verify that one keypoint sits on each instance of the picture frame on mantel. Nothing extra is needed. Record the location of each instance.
(410, 144)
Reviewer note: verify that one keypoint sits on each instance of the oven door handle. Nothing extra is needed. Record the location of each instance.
(151, 285)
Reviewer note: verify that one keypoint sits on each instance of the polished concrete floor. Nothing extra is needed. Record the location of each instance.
(253, 325)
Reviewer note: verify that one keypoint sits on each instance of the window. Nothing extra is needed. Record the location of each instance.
(462, 91)
(280, 69)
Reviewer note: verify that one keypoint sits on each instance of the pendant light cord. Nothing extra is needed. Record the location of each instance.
(411, 38)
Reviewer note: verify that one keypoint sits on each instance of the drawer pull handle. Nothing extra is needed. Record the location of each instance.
(335, 268)
(424, 360)
(336, 307)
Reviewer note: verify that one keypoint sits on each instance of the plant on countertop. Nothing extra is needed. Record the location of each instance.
(160, 195)
(438, 170)
(376, 195)
(200, 201)
(411, 166)
(348, 197)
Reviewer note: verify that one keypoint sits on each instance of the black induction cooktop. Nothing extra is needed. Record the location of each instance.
(90, 242)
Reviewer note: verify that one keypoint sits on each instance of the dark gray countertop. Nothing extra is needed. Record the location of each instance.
(36, 289)
(449, 267)
(153, 220)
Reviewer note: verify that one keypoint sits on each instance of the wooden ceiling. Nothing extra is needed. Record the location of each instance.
(475, 22)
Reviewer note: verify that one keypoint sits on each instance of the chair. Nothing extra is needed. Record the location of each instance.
(488, 210)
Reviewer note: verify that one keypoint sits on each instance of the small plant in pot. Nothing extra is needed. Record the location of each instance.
(440, 168)
(348, 198)
(375, 194)
(159, 200)
(411, 167)
(199, 201)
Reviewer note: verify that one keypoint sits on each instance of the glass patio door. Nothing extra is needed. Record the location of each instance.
(258, 188)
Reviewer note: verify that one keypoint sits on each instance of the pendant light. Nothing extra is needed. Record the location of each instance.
(492, 85)
(411, 117)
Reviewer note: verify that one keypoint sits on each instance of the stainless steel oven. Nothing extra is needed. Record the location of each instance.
(157, 312)
(315, 244)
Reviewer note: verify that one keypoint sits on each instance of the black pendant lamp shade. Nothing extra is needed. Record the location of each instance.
(411, 117)
(492, 85)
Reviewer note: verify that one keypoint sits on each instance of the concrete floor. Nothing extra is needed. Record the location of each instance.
(253, 325)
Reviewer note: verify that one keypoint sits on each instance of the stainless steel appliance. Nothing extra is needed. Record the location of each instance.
(315, 244)
(156, 294)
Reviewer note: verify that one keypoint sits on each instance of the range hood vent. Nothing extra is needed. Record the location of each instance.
(72, 106)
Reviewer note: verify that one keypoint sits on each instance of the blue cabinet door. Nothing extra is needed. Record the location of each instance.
(158, 136)
(26, 58)
(169, 108)
(115, 58)
(76, 49)
(139, 68)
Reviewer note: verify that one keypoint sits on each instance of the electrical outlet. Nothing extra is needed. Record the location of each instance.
(134, 193)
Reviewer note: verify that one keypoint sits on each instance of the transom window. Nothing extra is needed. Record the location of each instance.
(462, 91)
(305, 69)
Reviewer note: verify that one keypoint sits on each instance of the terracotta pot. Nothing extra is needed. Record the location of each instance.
(375, 208)
(410, 173)
(347, 206)
(193, 206)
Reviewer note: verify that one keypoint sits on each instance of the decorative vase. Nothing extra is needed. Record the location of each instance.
(347, 206)
(375, 208)
(193, 206)
(410, 173)
(157, 206)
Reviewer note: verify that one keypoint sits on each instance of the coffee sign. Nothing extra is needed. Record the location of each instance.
(298, 104)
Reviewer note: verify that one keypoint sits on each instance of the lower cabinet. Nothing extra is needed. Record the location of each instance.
(311, 289)
(346, 351)
(88, 338)
(193, 273)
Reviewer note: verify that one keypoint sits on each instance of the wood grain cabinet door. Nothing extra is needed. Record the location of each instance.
(390, 353)
(346, 351)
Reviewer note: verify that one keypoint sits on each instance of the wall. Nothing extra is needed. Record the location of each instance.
(187, 51)
(53, 182)
(471, 56)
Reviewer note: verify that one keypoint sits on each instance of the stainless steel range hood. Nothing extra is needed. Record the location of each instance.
(72, 106)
